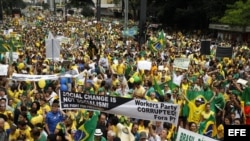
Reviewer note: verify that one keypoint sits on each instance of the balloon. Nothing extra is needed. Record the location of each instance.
(28, 82)
(131, 80)
(64, 87)
(41, 83)
(20, 66)
(63, 80)
(38, 44)
(137, 79)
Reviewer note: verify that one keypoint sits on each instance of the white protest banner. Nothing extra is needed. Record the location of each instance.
(144, 65)
(4, 70)
(160, 67)
(52, 49)
(28, 77)
(181, 63)
(184, 135)
(242, 82)
(135, 108)
(15, 55)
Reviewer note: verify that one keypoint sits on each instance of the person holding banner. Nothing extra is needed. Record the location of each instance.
(153, 136)
(139, 91)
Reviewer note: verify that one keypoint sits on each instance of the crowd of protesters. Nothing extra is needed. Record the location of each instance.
(107, 63)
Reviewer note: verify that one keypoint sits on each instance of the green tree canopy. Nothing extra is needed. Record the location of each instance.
(237, 14)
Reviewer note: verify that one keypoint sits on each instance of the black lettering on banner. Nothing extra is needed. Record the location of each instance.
(160, 111)
(186, 137)
(236, 132)
(145, 103)
(113, 99)
(119, 105)
(73, 100)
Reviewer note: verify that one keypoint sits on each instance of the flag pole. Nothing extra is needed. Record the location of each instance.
(52, 56)
(11, 52)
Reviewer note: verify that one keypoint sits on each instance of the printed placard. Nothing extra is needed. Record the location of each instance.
(136, 108)
(186, 135)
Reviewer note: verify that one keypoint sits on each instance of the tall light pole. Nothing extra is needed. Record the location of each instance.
(126, 14)
(1, 12)
(142, 23)
(98, 8)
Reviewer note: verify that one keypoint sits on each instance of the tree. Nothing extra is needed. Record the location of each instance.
(86, 6)
(8, 5)
(190, 13)
(80, 3)
(237, 14)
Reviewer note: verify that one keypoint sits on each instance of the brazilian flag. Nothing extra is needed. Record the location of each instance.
(158, 88)
(208, 127)
(245, 96)
(7, 46)
(4, 47)
(206, 95)
(161, 39)
(15, 44)
(151, 45)
(86, 131)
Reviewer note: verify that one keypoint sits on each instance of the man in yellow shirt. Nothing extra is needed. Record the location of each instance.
(121, 67)
(23, 132)
(139, 91)
(195, 108)
(4, 136)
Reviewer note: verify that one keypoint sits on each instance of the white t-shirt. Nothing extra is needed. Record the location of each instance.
(156, 138)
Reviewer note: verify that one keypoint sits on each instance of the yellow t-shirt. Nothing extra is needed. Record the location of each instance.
(220, 131)
(195, 112)
(14, 95)
(139, 92)
(115, 82)
(114, 68)
(59, 126)
(6, 126)
(141, 128)
(13, 136)
(184, 87)
(36, 119)
(26, 132)
(206, 115)
(120, 69)
(45, 107)
(179, 102)
(8, 114)
(226, 96)
(148, 98)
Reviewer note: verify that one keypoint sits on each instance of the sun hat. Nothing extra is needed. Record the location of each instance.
(98, 132)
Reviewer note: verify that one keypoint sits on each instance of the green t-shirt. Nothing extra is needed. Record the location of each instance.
(42, 137)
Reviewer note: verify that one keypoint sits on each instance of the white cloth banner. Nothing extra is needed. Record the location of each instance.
(184, 135)
(4, 70)
(28, 77)
(135, 108)
(181, 63)
(144, 65)
(15, 55)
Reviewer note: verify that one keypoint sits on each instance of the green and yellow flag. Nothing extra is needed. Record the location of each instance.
(4, 47)
(158, 88)
(86, 131)
(208, 127)
(245, 96)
